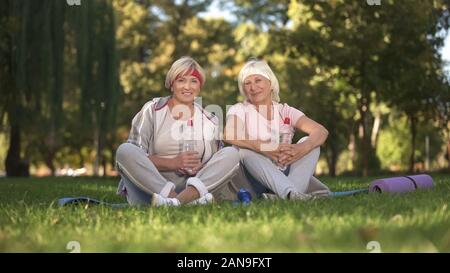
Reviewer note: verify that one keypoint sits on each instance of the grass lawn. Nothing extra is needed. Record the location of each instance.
(31, 221)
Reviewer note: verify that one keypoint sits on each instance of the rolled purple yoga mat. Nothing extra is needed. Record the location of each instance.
(401, 184)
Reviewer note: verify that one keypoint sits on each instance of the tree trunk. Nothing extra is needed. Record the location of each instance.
(104, 167)
(13, 163)
(332, 162)
(113, 157)
(375, 130)
(51, 150)
(49, 162)
(352, 150)
(332, 150)
(413, 130)
(363, 108)
(448, 153)
(80, 154)
(57, 85)
(97, 149)
(363, 139)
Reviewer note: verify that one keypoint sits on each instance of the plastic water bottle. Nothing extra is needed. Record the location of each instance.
(244, 196)
(286, 135)
(188, 138)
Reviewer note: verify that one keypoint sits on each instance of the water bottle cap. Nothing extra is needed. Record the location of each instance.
(244, 196)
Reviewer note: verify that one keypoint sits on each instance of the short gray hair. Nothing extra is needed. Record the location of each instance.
(181, 67)
(259, 67)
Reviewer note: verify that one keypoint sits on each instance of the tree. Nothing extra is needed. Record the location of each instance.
(153, 34)
(33, 66)
(97, 63)
(442, 103)
(413, 78)
(31, 58)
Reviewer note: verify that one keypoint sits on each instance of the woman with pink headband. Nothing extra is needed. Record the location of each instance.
(154, 166)
(269, 168)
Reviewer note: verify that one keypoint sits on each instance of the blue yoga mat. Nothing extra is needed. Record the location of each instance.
(348, 193)
(86, 200)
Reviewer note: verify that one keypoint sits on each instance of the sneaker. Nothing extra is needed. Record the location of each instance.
(294, 195)
(321, 193)
(204, 200)
(270, 196)
(159, 200)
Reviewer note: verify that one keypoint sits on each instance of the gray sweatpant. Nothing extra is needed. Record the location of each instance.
(259, 173)
(141, 178)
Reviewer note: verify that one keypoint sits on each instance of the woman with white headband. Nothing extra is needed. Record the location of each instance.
(173, 148)
(274, 170)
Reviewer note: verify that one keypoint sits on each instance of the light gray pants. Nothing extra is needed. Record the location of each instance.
(259, 169)
(141, 178)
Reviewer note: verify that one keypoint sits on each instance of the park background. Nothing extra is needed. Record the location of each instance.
(73, 76)
(74, 73)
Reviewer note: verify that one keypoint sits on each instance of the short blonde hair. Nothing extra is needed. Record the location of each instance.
(259, 67)
(183, 66)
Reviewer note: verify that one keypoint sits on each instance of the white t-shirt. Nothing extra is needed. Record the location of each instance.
(257, 127)
(168, 142)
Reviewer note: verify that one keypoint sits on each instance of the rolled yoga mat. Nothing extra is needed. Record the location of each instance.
(402, 184)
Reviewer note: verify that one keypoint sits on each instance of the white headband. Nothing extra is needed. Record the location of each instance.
(251, 70)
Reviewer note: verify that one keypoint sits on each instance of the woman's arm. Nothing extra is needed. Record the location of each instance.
(235, 134)
(317, 136)
(317, 133)
(162, 164)
(184, 160)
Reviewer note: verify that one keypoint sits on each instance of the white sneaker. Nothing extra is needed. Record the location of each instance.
(270, 196)
(294, 195)
(321, 193)
(204, 200)
(159, 200)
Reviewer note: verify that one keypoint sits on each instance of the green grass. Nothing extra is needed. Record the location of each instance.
(30, 221)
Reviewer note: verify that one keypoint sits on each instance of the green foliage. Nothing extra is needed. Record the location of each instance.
(363, 43)
(267, 13)
(73, 77)
(394, 147)
(32, 62)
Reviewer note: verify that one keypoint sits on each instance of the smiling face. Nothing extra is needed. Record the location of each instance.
(258, 90)
(185, 89)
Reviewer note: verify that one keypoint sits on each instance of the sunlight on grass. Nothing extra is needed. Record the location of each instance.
(30, 221)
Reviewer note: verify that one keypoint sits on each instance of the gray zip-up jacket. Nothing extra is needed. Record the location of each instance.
(147, 122)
